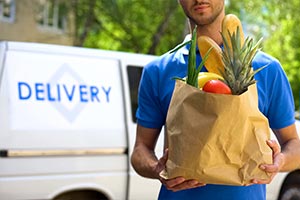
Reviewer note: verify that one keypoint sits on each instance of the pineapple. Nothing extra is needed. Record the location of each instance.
(233, 62)
(237, 57)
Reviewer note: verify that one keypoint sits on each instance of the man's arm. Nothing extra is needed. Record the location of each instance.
(286, 157)
(290, 147)
(143, 158)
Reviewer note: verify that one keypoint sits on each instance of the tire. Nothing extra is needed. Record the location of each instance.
(81, 195)
(291, 187)
(291, 193)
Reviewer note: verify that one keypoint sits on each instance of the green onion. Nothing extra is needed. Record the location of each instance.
(192, 71)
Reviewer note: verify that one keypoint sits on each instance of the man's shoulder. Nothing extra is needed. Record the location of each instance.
(167, 60)
(264, 58)
(172, 57)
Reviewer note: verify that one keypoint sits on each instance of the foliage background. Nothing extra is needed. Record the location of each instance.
(155, 26)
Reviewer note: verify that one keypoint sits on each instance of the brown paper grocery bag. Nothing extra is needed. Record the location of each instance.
(216, 138)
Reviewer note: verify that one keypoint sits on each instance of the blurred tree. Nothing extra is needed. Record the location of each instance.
(155, 26)
(148, 26)
(284, 40)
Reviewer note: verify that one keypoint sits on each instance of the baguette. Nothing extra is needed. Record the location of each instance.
(214, 61)
(230, 24)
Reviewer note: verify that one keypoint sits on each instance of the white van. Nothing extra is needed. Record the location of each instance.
(67, 122)
(67, 125)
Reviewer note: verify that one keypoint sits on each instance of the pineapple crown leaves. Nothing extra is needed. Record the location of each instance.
(192, 71)
(237, 58)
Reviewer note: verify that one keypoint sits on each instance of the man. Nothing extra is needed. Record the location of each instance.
(275, 102)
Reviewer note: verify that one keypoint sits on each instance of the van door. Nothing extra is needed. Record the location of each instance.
(132, 67)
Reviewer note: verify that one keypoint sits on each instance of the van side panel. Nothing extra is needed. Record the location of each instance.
(57, 97)
(62, 122)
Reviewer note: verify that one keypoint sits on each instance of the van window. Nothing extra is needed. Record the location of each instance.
(134, 76)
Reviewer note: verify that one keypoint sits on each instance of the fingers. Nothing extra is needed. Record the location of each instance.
(278, 162)
(262, 181)
(187, 185)
(179, 183)
(164, 159)
(170, 183)
(272, 169)
(161, 164)
(278, 158)
(274, 146)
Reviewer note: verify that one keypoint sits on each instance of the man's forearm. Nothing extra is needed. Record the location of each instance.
(291, 152)
(144, 162)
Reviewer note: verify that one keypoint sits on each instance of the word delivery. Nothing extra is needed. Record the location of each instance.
(63, 92)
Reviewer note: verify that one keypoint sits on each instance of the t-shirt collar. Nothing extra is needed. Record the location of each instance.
(185, 50)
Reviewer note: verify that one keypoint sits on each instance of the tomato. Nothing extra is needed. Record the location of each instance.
(216, 86)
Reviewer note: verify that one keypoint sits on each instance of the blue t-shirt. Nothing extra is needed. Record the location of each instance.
(155, 92)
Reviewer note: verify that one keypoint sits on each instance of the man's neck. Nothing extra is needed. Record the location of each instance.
(212, 30)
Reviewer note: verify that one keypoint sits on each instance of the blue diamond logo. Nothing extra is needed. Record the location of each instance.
(69, 113)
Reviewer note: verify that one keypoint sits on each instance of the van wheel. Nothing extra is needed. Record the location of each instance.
(81, 195)
(291, 187)
(291, 193)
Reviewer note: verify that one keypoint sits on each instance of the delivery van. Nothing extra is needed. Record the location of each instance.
(67, 125)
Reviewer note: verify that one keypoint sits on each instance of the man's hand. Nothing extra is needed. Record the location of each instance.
(178, 183)
(273, 169)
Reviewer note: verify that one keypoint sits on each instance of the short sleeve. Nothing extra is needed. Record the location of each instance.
(149, 113)
(275, 94)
